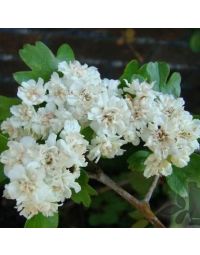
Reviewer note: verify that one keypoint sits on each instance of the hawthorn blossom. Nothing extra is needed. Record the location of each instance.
(157, 166)
(105, 146)
(74, 72)
(32, 92)
(110, 115)
(57, 91)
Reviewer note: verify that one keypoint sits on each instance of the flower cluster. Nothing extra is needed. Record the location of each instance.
(164, 126)
(42, 175)
(46, 148)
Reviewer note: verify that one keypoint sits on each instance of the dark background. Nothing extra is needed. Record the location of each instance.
(109, 50)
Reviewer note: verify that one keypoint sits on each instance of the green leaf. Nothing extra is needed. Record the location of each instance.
(3, 142)
(196, 116)
(143, 72)
(84, 196)
(87, 133)
(41, 60)
(195, 42)
(65, 53)
(140, 183)
(181, 177)
(3, 147)
(173, 85)
(25, 76)
(177, 181)
(108, 209)
(141, 224)
(181, 217)
(136, 160)
(136, 215)
(194, 203)
(130, 69)
(40, 221)
(170, 209)
(138, 77)
(5, 104)
(2, 176)
(158, 72)
(192, 170)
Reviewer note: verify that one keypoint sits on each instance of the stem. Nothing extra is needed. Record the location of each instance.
(142, 206)
(151, 190)
(106, 188)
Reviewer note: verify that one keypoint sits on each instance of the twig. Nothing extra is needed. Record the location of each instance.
(142, 206)
(105, 188)
(135, 52)
(151, 189)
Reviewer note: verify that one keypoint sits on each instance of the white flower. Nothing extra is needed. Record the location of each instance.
(74, 72)
(143, 110)
(110, 115)
(11, 127)
(32, 92)
(111, 87)
(57, 90)
(82, 96)
(140, 89)
(160, 138)
(49, 119)
(73, 143)
(169, 106)
(157, 166)
(105, 146)
(181, 158)
(71, 126)
(23, 113)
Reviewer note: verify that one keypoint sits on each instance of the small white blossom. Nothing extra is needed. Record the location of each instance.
(57, 90)
(140, 89)
(111, 87)
(106, 146)
(75, 72)
(110, 115)
(32, 92)
(157, 166)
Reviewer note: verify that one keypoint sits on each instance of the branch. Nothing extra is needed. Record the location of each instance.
(106, 188)
(152, 188)
(142, 206)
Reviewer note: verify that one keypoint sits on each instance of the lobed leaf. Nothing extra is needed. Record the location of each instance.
(41, 60)
(130, 69)
(157, 72)
(40, 221)
(65, 53)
